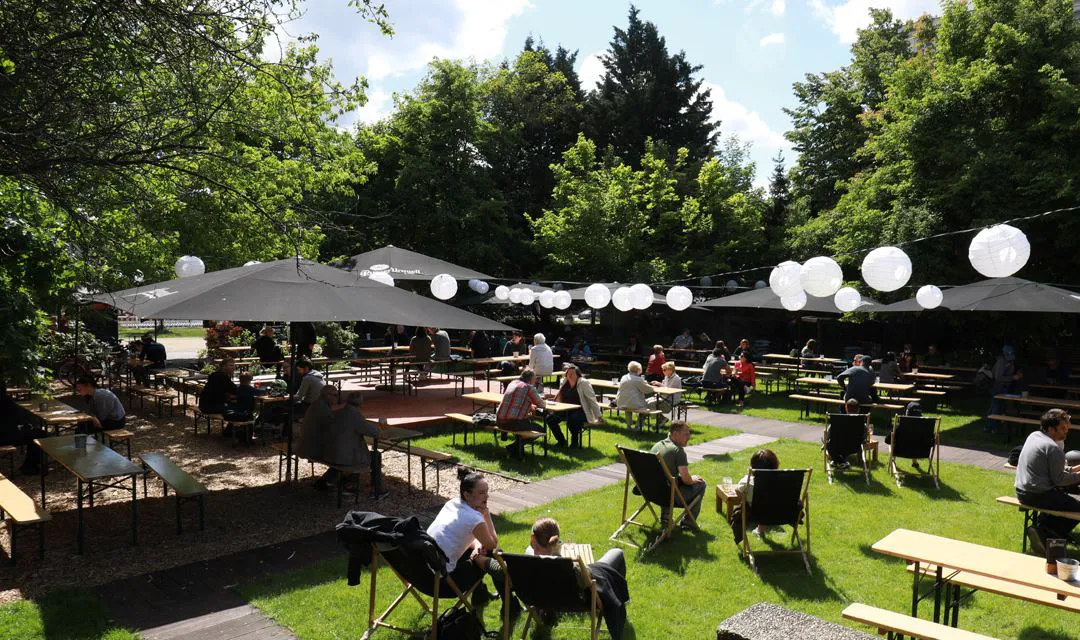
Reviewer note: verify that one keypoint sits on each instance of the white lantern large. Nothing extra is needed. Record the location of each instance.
(641, 296)
(515, 295)
(187, 266)
(528, 296)
(929, 297)
(383, 277)
(886, 268)
(562, 300)
(999, 251)
(443, 286)
(502, 292)
(760, 284)
(821, 276)
(597, 296)
(621, 299)
(679, 298)
(795, 301)
(847, 299)
(784, 278)
(546, 298)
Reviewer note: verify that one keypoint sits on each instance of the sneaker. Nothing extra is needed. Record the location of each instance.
(1035, 538)
(843, 464)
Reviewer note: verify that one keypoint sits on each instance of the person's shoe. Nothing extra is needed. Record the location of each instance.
(687, 526)
(843, 464)
(1035, 538)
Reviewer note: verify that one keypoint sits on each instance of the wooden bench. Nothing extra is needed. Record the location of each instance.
(647, 414)
(159, 396)
(931, 393)
(1011, 421)
(282, 449)
(897, 625)
(183, 485)
(209, 417)
(428, 458)
(9, 451)
(1001, 588)
(20, 510)
(527, 437)
(113, 436)
(837, 402)
(1029, 516)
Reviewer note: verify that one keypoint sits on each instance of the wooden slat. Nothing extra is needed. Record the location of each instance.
(898, 622)
(181, 482)
(20, 507)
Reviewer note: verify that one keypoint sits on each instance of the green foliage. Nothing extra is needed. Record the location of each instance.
(56, 347)
(336, 339)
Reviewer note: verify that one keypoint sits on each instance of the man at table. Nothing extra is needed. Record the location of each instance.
(1046, 476)
(219, 389)
(515, 346)
(153, 351)
(673, 450)
(105, 409)
(441, 340)
(311, 383)
(516, 409)
(683, 341)
(541, 359)
(858, 381)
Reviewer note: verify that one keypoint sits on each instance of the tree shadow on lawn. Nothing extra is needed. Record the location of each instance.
(1038, 633)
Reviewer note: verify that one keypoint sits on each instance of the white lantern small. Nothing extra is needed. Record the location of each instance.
(502, 292)
(679, 298)
(597, 296)
(929, 297)
(641, 296)
(621, 299)
(187, 266)
(795, 301)
(706, 281)
(760, 284)
(1000, 251)
(138, 277)
(886, 268)
(443, 286)
(546, 298)
(251, 263)
(383, 277)
(514, 296)
(528, 296)
(732, 285)
(482, 287)
(821, 277)
(562, 300)
(784, 278)
(847, 299)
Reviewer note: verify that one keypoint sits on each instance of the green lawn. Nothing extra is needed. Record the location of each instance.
(489, 453)
(63, 615)
(692, 582)
(170, 332)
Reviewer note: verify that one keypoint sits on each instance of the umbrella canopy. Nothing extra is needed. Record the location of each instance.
(292, 290)
(1000, 294)
(766, 299)
(403, 264)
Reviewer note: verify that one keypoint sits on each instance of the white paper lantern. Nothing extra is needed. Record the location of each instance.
(528, 296)
(474, 284)
(443, 286)
(821, 276)
(597, 296)
(847, 299)
(483, 287)
(731, 285)
(760, 284)
(679, 298)
(621, 299)
(641, 296)
(562, 300)
(886, 268)
(1000, 251)
(382, 276)
(547, 299)
(706, 281)
(138, 277)
(929, 297)
(502, 292)
(795, 301)
(784, 278)
(187, 266)
(250, 263)
(514, 296)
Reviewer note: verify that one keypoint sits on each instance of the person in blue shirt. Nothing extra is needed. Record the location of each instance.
(581, 349)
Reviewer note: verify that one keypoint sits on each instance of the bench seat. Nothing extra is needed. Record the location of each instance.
(20, 510)
(1002, 588)
(1029, 515)
(428, 458)
(183, 485)
(897, 623)
(526, 436)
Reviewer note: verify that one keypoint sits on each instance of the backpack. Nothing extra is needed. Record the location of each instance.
(459, 624)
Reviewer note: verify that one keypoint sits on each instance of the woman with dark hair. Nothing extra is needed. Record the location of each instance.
(723, 349)
(762, 459)
(464, 531)
(810, 350)
(575, 389)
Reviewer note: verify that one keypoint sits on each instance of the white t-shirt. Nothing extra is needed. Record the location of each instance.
(453, 528)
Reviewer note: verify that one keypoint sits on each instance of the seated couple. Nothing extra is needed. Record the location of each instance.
(637, 394)
(333, 432)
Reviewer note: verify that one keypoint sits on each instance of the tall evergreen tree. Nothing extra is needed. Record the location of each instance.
(648, 93)
(776, 213)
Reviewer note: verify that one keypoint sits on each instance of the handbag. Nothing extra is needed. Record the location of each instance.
(459, 624)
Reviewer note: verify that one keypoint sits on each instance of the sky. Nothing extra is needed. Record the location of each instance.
(751, 50)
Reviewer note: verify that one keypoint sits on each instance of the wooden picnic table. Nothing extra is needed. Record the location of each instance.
(949, 556)
(938, 367)
(800, 359)
(492, 398)
(932, 377)
(96, 468)
(832, 382)
(56, 414)
(692, 370)
(1039, 401)
(1068, 389)
(382, 350)
(235, 349)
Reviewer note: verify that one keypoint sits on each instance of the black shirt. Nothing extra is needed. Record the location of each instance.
(154, 352)
(480, 345)
(218, 386)
(511, 349)
(268, 350)
(569, 394)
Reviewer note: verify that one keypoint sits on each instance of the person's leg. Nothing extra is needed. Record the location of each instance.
(996, 408)
(1057, 500)
(691, 492)
(615, 559)
(552, 421)
(575, 424)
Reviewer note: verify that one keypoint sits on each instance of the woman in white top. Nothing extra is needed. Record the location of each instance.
(634, 393)
(671, 381)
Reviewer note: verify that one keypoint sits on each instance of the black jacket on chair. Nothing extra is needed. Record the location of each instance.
(362, 529)
(613, 592)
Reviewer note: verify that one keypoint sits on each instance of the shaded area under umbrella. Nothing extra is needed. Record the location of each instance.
(1000, 294)
(403, 264)
(765, 299)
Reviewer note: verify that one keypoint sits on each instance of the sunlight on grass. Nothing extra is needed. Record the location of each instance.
(63, 615)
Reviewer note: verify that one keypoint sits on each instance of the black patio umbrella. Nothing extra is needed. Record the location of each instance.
(403, 264)
(1000, 294)
(764, 298)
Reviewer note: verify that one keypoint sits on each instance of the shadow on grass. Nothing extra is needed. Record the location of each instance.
(675, 553)
(718, 457)
(856, 483)
(926, 487)
(1038, 633)
(786, 573)
(219, 467)
(75, 615)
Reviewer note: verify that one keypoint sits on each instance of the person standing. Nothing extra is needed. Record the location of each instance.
(480, 344)
(105, 409)
(692, 488)
(302, 335)
(1047, 478)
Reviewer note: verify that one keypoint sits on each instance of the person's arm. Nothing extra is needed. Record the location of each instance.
(1060, 474)
(485, 532)
(535, 397)
(686, 478)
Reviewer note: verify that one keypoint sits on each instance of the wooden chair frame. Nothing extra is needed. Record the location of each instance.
(595, 608)
(674, 495)
(864, 456)
(933, 463)
(796, 539)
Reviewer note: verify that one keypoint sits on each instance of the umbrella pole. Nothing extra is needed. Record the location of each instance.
(292, 404)
(76, 367)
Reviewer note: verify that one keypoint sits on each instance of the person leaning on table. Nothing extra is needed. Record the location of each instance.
(105, 409)
(1047, 477)
(517, 407)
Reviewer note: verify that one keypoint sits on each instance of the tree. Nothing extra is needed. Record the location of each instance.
(776, 215)
(647, 93)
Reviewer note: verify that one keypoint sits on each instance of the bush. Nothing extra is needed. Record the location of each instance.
(337, 341)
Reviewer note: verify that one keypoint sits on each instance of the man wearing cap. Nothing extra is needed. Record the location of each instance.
(858, 381)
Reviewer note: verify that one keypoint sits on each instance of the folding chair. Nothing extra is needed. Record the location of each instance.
(655, 483)
(916, 437)
(420, 580)
(846, 435)
(781, 498)
(546, 583)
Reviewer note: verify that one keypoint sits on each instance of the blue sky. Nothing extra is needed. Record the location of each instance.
(751, 50)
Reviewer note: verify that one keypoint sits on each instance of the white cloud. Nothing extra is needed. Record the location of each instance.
(735, 118)
(846, 18)
(375, 108)
(772, 39)
(775, 7)
(591, 70)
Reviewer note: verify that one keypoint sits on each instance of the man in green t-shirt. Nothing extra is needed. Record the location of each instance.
(691, 487)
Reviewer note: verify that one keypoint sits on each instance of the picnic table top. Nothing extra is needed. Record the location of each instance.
(490, 397)
(91, 463)
(1038, 401)
(55, 412)
(825, 382)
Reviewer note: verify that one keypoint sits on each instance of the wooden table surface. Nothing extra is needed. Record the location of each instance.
(490, 397)
(55, 412)
(815, 359)
(94, 462)
(1039, 401)
(885, 386)
(694, 370)
(1056, 387)
(922, 375)
(235, 349)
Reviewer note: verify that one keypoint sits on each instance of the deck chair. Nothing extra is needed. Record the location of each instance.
(916, 437)
(654, 482)
(781, 498)
(846, 435)
(546, 583)
(421, 580)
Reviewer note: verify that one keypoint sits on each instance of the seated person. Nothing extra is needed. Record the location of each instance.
(266, 347)
(743, 378)
(575, 389)
(105, 409)
(724, 351)
(515, 346)
(704, 340)
(744, 347)
(666, 403)
(311, 383)
(683, 341)
(634, 393)
(541, 359)
(14, 433)
(762, 459)
(810, 350)
(933, 357)
(1057, 373)
(580, 349)
(632, 348)
(344, 443)
(421, 349)
(851, 407)
(518, 405)
(219, 389)
(464, 531)
(560, 350)
(441, 340)
(480, 344)
(890, 370)
(858, 382)
(672, 450)
(906, 360)
(654, 370)
(315, 429)
(716, 374)
(242, 408)
(1048, 478)
(153, 352)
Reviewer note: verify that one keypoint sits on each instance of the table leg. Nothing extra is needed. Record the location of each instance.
(938, 583)
(915, 591)
(78, 511)
(44, 466)
(134, 510)
(955, 605)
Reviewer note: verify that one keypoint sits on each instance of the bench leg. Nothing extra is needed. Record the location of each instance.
(179, 524)
(13, 528)
(41, 541)
(202, 521)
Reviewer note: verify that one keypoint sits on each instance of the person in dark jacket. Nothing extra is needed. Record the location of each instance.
(266, 347)
(480, 344)
(153, 351)
(302, 334)
(219, 389)
(858, 382)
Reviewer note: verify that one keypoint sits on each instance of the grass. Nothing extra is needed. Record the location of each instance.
(62, 615)
(686, 587)
(130, 333)
(488, 453)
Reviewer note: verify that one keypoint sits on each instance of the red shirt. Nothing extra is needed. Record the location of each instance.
(656, 361)
(746, 372)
